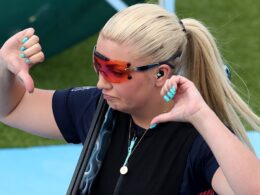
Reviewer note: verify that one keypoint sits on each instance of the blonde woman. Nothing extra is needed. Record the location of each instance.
(172, 126)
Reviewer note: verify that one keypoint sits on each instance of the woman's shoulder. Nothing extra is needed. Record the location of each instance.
(201, 156)
(77, 95)
(200, 167)
(73, 110)
(89, 91)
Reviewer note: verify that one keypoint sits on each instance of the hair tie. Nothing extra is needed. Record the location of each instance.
(183, 27)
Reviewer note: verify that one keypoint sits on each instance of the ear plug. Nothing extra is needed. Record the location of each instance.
(160, 74)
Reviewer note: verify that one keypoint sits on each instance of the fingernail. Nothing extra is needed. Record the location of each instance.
(23, 48)
(166, 98)
(22, 55)
(173, 90)
(27, 61)
(170, 94)
(153, 125)
(25, 39)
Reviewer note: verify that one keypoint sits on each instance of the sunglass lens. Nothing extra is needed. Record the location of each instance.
(111, 71)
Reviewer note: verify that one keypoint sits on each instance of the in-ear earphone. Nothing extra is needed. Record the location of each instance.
(159, 74)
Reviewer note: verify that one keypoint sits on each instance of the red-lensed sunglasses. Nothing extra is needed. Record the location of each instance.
(116, 71)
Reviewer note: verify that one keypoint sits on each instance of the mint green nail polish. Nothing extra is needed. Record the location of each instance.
(153, 126)
(170, 94)
(27, 61)
(25, 39)
(166, 98)
(23, 48)
(22, 55)
(173, 90)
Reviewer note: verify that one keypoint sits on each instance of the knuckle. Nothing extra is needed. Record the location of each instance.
(41, 57)
(38, 47)
(30, 31)
(35, 38)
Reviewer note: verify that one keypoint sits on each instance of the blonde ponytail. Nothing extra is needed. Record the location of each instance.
(204, 66)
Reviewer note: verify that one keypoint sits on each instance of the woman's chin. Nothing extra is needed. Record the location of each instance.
(118, 107)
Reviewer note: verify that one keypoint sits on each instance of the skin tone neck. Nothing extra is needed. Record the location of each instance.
(143, 116)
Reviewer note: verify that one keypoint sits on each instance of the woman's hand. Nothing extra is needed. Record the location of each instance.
(188, 103)
(19, 53)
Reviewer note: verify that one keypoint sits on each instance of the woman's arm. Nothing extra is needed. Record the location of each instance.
(20, 107)
(239, 165)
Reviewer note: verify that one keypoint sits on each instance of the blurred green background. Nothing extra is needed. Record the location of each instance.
(235, 24)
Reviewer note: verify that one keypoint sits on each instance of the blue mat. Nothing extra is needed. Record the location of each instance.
(49, 169)
(37, 170)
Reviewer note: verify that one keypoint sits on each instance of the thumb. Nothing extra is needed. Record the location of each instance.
(27, 80)
(162, 118)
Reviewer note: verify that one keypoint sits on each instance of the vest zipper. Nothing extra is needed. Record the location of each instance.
(118, 184)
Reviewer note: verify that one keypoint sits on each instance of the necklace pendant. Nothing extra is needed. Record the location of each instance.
(123, 170)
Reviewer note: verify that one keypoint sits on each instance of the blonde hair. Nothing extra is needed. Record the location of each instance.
(157, 34)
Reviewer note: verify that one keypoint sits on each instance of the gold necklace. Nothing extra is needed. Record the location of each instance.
(131, 148)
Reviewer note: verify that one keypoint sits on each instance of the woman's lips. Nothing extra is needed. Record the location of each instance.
(108, 97)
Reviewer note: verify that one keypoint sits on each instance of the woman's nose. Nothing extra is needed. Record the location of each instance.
(103, 83)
